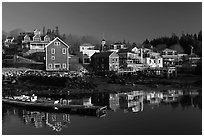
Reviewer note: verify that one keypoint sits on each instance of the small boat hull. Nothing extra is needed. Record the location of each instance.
(73, 109)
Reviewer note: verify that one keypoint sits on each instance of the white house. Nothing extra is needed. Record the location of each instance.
(87, 50)
(154, 60)
(86, 46)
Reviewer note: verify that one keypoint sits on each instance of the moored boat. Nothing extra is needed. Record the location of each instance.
(60, 106)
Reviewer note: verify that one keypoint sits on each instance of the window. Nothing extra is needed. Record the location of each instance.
(102, 66)
(57, 66)
(50, 66)
(53, 57)
(53, 51)
(170, 53)
(64, 51)
(159, 61)
(57, 43)
(36, 39)
(47, 39)
(64, 65)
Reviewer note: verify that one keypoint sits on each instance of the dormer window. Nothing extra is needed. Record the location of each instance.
(47, 39)
(36, 39)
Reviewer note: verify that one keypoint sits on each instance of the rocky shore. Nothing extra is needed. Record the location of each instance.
(61, 85)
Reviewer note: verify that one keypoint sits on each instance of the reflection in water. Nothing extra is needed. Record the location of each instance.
(134, 101)
(56, 121)
(128, 102)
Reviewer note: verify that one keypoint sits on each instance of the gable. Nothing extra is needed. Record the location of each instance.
(57, 40)
(114, 54)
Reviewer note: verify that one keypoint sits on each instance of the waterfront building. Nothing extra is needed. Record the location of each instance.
(117, 46)
(170, 57)
(9, 40)
(35, 41)
(105, 61)
(86, 46)
(57, 55)
(154, 60)
(128, 60)
(135, 50)
(87, 50)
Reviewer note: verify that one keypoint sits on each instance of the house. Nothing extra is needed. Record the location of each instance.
(135, 50)
(170, 57)
(105, 61)
(154, 60)
(9, 40)
(35, 41)
(128, 60)
(87, 51)
(116, 46)
(57, 55)
(86, 46)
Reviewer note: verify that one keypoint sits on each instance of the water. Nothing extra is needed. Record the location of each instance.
(172, 112)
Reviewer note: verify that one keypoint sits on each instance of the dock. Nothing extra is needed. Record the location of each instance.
(74, 109)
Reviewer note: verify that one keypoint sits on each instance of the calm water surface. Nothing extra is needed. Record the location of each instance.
(169, 112)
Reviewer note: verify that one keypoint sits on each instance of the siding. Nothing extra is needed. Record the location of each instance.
(59, 57)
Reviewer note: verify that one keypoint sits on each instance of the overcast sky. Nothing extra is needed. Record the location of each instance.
(118, 21)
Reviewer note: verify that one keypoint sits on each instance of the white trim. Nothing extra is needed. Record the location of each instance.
(57, 38)
(52, 50)
(50, 66)
(57, 64)
(46, 58)
(63, 50)
(52, 57)
(64, 66)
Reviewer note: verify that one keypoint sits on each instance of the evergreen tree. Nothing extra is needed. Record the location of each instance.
(200, 36)
(44, 30)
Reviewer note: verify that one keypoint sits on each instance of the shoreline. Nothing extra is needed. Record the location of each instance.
(98, 84)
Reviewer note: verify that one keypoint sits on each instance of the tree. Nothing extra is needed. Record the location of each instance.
(161, 47)
(177, 47)
(56, 31)
(44, 30)
(146, 42)
(200, 36)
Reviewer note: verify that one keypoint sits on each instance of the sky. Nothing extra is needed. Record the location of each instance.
(133, 21)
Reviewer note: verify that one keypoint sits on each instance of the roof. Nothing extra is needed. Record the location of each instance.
(57, 38)
(9, 37)
(87, 44)
(168, 50)
(101, 54)
(124, 50)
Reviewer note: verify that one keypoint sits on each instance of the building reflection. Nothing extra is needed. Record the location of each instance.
(35, 118)
(129, 102)
(56, 121)
(134, 101)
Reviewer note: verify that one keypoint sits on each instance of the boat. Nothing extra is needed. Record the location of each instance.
(60, 106)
